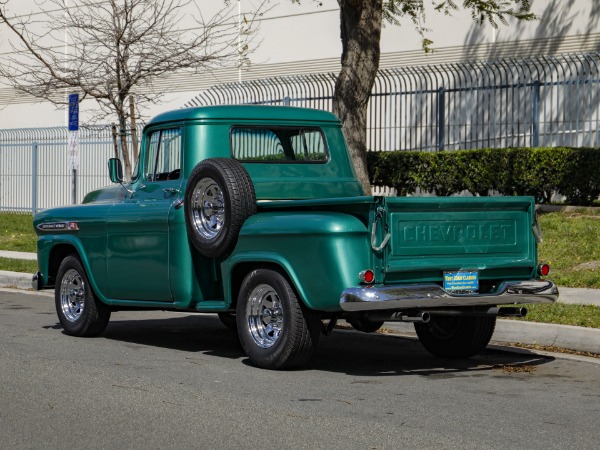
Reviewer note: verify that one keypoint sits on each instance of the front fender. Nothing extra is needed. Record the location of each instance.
(48, 244)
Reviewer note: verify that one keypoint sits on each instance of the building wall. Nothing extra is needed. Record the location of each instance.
(300, 39)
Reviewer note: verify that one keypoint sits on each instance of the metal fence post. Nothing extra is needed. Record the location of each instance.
(34, 177)
(441, 117)
(535, 114)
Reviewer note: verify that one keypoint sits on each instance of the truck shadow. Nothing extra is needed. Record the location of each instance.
(194, 334)
(375, 354)
(344, 351)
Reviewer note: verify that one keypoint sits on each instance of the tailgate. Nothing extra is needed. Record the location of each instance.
(430, 235)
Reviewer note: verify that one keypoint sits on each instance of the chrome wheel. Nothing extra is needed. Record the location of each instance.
(79, 311)
(275, 329)
(265, 316)
(208, 205)
(72, 295)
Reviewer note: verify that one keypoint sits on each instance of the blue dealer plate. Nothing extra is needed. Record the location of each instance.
(461, 281)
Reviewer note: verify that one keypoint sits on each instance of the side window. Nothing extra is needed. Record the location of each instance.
(163, 160)
(279, 144)
(151, 154)
(256, 144)
(308, 145)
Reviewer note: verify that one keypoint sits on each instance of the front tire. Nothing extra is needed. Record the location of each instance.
(456, 337)
(79, 311)
(275, 329)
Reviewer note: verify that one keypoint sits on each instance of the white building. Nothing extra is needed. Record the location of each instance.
(301, 39)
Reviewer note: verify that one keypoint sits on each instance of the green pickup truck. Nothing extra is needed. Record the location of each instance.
(254, 213)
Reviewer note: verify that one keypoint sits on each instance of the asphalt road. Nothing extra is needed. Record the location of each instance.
(164, 380)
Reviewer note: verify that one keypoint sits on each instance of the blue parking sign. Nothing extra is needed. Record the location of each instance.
(73, 112)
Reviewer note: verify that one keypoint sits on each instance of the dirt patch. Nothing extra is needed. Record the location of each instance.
(513, 368)
(590, 265)
(547, 348)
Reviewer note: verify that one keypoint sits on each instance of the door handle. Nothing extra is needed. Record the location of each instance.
(171, 191)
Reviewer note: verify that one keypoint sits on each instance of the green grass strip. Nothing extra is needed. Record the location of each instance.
(18, 265)
(16, 233)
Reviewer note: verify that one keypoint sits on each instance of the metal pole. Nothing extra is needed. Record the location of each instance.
(535, 114)
(74, 193)
(34, 176)
(441, 118)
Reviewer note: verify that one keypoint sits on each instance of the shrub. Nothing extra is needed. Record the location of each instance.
(539, 172)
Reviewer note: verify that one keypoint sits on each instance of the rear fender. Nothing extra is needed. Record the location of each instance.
(320, 252)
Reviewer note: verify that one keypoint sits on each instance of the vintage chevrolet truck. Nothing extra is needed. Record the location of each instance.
(254, 213)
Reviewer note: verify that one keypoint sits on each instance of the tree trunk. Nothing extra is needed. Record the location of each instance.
(124, 149)
(361, 22)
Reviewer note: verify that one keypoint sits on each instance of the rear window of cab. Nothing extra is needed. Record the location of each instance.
(279, 144)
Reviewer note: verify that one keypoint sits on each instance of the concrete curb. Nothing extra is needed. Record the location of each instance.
(513, 331)
(15, 279)
(579, 296)
(532, 333)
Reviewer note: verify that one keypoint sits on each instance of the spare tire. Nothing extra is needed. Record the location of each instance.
(219, 197)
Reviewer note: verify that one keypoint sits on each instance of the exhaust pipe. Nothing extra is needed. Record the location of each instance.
(421, 317)
(505, 311)
(399, 316)
(425, 316)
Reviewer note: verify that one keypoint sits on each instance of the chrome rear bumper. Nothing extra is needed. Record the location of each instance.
(422, 296)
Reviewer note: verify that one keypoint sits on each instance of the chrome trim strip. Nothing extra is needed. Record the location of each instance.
(378, 297)
(71, 225)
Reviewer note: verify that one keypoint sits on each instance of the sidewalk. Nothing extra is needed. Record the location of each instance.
(18, 255)
(507, 331)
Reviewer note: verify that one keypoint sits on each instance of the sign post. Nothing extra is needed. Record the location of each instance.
(73, 143)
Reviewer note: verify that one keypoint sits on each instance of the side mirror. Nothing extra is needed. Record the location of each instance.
(115, 170)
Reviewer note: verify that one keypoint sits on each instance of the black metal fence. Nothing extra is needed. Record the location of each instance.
(538, 101)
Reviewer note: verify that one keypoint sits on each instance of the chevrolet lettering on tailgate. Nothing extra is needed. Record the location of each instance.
(458, 232)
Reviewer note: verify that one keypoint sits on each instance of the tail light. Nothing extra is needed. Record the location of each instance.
(367, 276)
(543, 269)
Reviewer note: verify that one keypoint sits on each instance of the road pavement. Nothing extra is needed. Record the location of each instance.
(167, 380)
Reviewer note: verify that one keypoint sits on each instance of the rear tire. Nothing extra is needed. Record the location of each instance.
(456, 337)
(365, 325)
(79, 311)
(276, 330)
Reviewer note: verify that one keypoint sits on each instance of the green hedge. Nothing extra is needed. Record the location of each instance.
(574, 172)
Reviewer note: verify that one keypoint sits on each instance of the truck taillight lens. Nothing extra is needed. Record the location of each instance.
(544, 269)
(367, 276)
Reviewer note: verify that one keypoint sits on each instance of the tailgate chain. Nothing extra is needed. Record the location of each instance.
(374, 246)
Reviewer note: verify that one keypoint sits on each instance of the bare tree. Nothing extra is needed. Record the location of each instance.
(108, 50)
